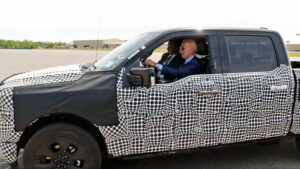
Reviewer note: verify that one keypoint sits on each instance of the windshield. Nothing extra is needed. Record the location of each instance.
(125, 51)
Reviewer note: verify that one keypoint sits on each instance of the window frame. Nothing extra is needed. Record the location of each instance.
(275, 39)
(212, 40)
(213, 49)
(228, 45)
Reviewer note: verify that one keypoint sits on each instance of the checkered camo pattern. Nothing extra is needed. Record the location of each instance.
(8, 152)
(296, 115)
(46, 76)
(8, 135)
(174, 116)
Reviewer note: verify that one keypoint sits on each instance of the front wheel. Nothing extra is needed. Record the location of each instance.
(62, 146)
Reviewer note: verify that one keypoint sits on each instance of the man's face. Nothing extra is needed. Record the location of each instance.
(186, 50)
(172, 47)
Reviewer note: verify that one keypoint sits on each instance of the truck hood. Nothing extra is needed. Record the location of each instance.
(45, 76)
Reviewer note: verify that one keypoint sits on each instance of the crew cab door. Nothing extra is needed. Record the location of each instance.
(172, 116)
(257, 88)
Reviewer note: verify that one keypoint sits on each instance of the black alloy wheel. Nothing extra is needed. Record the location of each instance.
(62, 146)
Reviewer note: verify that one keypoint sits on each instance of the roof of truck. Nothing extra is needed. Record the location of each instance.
(262, 29)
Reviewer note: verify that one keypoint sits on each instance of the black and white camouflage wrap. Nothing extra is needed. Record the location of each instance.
(175, 116)
(296, 115)
(8, 136)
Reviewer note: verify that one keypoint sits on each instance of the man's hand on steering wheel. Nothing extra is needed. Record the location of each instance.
(151, 63)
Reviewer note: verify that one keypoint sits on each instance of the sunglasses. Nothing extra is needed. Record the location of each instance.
(181, 48)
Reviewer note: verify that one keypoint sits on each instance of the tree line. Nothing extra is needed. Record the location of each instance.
(26, 44)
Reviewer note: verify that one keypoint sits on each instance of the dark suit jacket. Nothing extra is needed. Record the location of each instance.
(191, 68)
(175, 62)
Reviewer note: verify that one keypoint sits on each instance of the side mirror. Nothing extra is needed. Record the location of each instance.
(142, 76)
(295, 64)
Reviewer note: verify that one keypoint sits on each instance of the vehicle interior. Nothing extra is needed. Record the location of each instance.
(202, 54)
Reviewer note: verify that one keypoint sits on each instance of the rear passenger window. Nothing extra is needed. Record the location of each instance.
(251, 53)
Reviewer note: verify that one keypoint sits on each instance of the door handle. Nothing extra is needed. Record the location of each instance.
(207, 93)
(276, 88)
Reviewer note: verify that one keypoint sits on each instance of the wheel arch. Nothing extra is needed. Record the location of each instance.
(65, 118)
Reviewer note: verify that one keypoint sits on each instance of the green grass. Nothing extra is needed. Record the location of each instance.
(294, 54)
(161, 50)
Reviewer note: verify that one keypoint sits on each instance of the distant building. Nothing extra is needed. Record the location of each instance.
(293, 47)
(100, 44)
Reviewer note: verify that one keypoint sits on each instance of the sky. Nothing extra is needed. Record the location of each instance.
(68, 20)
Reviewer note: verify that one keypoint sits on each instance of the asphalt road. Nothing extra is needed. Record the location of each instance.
(14, 61)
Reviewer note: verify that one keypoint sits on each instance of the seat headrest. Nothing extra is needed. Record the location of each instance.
(202, 48)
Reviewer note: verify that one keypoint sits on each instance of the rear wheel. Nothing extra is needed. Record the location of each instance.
(62, 146)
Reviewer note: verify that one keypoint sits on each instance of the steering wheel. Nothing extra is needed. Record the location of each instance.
(143, 61)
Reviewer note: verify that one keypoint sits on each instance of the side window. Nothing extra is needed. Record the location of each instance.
(158, 52)
(251, 53)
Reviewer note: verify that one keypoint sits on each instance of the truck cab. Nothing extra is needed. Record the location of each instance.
(116, 107)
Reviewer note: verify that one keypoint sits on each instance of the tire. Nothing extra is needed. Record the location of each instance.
(62, 146)
(298, 142)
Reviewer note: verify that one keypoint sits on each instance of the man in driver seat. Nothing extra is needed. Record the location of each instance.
(172, 59)
(190, 66)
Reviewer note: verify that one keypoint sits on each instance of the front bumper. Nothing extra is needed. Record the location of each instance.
(8, 135)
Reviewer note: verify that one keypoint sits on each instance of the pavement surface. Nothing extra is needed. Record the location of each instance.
(17, 61)
(251, 156)
(14, 61)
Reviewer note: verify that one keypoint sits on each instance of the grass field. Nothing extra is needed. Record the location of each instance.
(294, 54)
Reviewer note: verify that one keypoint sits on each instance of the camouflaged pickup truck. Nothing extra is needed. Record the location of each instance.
(76, 116)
